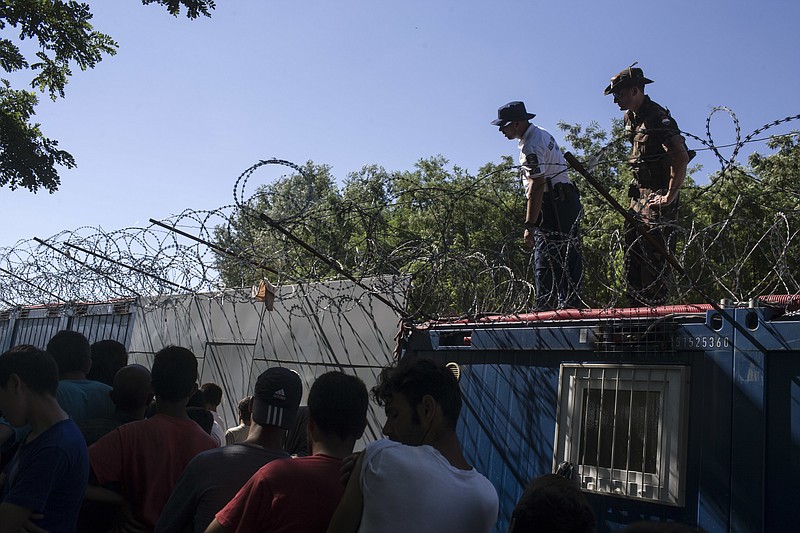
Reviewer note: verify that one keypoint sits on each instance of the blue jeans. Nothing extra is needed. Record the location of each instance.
(558, 264)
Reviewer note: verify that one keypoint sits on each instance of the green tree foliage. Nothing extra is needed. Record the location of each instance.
(601, 226)
(779, 177)
(194, 8)
(304, 204)
(740, 229)
(458, 236)
(462, 237)
(27, 158)
(64, 38)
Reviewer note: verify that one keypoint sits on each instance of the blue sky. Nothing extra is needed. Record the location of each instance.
(171, 121)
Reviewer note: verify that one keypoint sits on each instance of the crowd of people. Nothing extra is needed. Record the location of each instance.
(123, 452)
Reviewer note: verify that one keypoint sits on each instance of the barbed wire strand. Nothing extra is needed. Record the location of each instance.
(454, 271)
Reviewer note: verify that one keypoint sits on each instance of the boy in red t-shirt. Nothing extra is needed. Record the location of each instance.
(142, 460)
(300, 495)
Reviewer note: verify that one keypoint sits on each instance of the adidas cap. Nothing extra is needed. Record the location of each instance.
(276, 397)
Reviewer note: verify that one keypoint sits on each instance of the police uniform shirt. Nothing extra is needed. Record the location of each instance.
(540, 156)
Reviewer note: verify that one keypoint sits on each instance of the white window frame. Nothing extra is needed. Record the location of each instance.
(667, 484)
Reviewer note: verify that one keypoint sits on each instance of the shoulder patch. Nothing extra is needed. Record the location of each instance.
(552, 143)
(532, 163)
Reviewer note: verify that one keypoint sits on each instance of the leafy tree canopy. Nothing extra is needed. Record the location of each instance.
(458, 236)
(64, 38)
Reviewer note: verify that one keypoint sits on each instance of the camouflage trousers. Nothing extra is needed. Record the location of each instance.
(648, 272)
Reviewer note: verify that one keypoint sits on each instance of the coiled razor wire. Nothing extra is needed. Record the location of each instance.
(459, 262)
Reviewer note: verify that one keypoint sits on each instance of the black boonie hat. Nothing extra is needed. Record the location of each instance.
(511, 112)
(625, 78)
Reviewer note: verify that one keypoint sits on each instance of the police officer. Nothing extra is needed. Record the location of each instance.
(552, 215)
(658, 159)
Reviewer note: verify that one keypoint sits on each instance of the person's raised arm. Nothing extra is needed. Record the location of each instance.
(216, 527)
(533, 208)
(347, 516)
(6, 432)
(13, 517)
(679, 160)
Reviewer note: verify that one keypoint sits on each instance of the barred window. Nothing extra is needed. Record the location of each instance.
(624, 427)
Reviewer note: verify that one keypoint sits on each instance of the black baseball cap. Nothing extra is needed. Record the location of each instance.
(276, 397)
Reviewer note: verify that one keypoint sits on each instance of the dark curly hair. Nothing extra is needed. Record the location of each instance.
(553, 504)
(108, 357)
(212, 393)
(414, 378)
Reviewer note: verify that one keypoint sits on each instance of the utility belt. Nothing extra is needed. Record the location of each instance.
(560, 192)
(637, 184)
(652, 175)
(637, 191)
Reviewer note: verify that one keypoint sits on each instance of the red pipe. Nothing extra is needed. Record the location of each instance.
(789, 301)
(577, 314)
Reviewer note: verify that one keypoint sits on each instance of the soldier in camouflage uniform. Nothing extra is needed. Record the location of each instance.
(658, 158)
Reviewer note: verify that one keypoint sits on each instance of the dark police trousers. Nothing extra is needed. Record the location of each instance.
(558, 264)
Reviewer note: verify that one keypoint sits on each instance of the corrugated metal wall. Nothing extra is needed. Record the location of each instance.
(507, 424)
(36, 326)
(742, 458)
(510, 380)
(102, 327)
(35, 330)
(312, 329)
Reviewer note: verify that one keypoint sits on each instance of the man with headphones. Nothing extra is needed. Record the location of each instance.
(418, 479)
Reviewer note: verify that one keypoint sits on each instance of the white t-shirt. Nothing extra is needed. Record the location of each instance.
(236, 434)
(218, 433)
(415, 489)
(540, 156)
